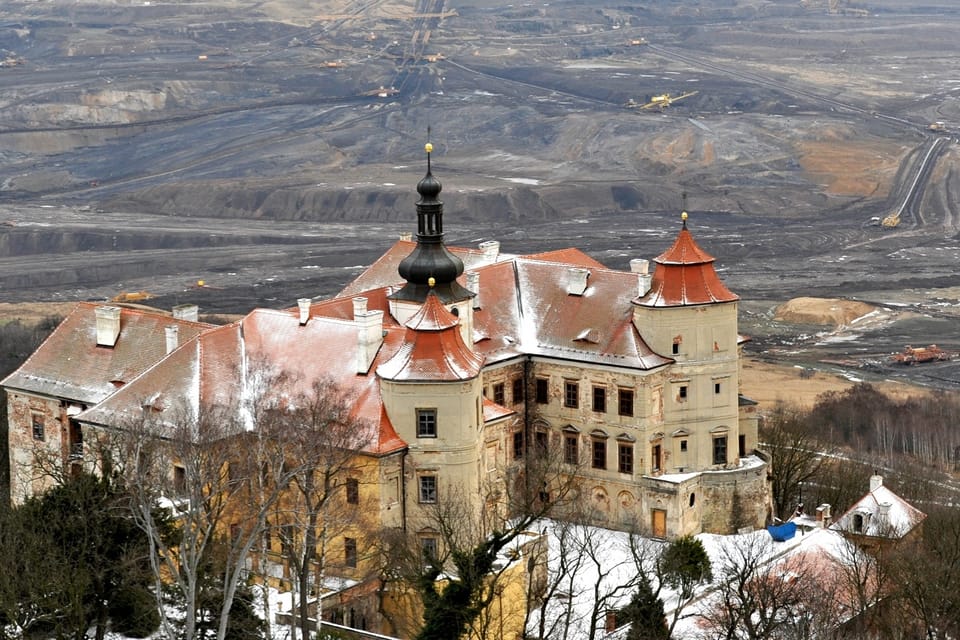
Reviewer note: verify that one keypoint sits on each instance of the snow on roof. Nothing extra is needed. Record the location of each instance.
(880, 513)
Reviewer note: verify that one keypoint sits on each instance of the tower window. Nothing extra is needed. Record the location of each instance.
(599, 454)
(625, 457)
(350, 552)
(676, 348)
(625, 402)
(571, 394)
(517, 445)
(720, 450)
(543, 391)
(571, 453)
(426, 423)
(656, 457)
(353, 491)
(428, 489)
(542, 440)
(716, 387)
(498, 393)
(600, 399)
(517, 390)
(682, 393)
(38, 428)
(683, 446)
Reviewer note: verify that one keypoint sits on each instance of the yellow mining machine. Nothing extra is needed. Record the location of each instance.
(660, 102)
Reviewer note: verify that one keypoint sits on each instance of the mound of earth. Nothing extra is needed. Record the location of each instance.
(821, 311)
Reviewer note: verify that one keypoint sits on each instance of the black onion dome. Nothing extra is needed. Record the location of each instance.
(430, 258)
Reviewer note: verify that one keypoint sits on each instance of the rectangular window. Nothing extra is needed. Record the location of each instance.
(428, 546)
(571, 394)
(676, 348)
(720, 450)
(428, 489)
(716, 387)
(353, 491)
(267, 538)
(498, 393)
(656, 457)
(518, 445)
(599, 454)
(38, 428)
(542, 440)
(517, 390)
(683, 446)
(350, 552)
(600, 399)
(742, 445)
(571, 454)
(682, 393)
(543, 391)
(426, 423)
(625, 402)
(179, 479)
(625, 457)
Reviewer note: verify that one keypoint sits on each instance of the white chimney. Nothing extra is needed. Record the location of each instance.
(875, 483)
(187, 312)
(359, 307)
(304, 305)
(108, 325)
(823, 515)
(577, 280)
(406, 236)
(473, 285)
(173, 337)
(491, 249)
(641, 267)
(884, 509)
(369, 336)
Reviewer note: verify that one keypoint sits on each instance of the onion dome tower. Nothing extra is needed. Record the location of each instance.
(430, 258)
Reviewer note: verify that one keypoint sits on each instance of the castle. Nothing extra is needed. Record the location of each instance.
(460, 361)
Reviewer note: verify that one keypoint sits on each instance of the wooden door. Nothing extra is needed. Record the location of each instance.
(659, 523)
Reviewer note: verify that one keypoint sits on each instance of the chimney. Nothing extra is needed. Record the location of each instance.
(406, 236)
(641, 267)
(359, 307)
(884, 509)
(491, 249)
(369, 335)
(875, 482)
(173, 337)
(610, 621)
(185, 312)
(577, 281)
(823, 516)
(304, 306)
(473, 285)
(108, 326)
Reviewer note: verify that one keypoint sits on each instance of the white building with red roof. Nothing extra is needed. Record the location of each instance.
(462, 362)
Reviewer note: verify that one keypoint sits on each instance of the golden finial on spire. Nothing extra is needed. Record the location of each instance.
(683, 216)
(431, 282)
(428, 147)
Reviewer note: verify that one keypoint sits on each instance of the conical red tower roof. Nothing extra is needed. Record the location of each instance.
(433, 349)
(685, 276)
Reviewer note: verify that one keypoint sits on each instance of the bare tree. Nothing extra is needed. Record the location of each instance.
(205, 481)
(757, 597)
(795, 452)
(322, 444)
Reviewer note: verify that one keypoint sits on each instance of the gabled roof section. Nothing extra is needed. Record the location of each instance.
(881, 513)
(685, 276)
(70, 365)
(433, 349)
(525, 308)
(223, 369)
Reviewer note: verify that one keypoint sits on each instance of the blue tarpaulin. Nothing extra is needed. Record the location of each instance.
(782, 532)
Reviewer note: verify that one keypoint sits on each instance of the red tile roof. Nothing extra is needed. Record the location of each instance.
(685, 276)
(433, 349)
(70, 365)
(223, 368)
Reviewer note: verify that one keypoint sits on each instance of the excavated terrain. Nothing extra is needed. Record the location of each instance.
(271, 150)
